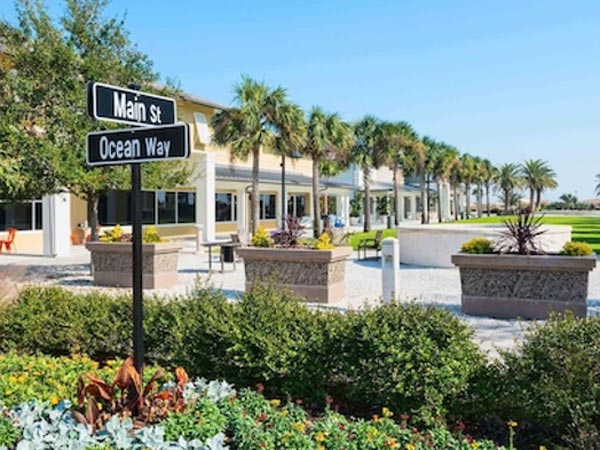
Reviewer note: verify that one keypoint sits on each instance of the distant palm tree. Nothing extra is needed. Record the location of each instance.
(508, 179)
(569, 201)
(479, 174)
(468, 173)
(431, 148)
(328, 140)
(399, 140)
(263, 118)
(445, 159)
(455, 178)
(366, 153)
(538, 176)
(489, 173)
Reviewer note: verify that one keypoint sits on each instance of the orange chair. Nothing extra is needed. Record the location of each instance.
(9, 242)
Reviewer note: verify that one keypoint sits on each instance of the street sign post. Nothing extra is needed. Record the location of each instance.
(129, 106)
(138, 145)
(157, 138)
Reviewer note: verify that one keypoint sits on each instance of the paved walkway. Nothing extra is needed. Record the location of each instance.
(431, 286)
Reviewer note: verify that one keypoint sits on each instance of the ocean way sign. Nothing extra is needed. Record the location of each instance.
(127, 106)
(137, 145)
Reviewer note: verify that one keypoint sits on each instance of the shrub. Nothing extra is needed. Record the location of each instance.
(262, 238)
(151, 236)
(478, 246)
(114, 235)
(572, 248)
(9, 434)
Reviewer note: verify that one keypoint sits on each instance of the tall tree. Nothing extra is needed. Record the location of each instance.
(569, 201)
(399, 140)
(538, 176)
(328, 140)
(468, 173)
(455, 178)
(445, 159)
(479, 175)
(45, 94)
(489, 173)
(508, 179)
(366, 154)
(262, 118)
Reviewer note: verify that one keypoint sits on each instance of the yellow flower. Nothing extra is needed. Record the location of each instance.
(512, 424)
(410, 446)
(284, 412)
(12, 379)
(392, 442)
(21, 379)
(300, 427)
(8, 392)
(99, 406)
(275, 402)
(542, 447)
(54, 400)
(320, 436)
(376, 418)
(475, 445)
(387, 413)
(320, 447)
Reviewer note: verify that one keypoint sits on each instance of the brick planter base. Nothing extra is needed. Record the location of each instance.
(317, 275)
(512, 286)
(111, 264)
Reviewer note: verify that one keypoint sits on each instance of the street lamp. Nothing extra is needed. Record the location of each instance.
(294, 155)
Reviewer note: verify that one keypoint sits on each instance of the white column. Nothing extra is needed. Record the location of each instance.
(242, 214)
(413, 207)
(446, 205)
(205, 195)
(345, 201)
(56, 224)
(390, 269)
(400, 207)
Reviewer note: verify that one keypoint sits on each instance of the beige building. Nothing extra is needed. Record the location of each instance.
(216, 200)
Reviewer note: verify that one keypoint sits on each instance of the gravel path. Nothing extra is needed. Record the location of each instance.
(431, 286)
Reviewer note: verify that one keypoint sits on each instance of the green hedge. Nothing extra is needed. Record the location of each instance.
(414, 359)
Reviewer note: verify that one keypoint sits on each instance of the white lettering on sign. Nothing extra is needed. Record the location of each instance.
(154, 147)
(125, 149)
(127, 109)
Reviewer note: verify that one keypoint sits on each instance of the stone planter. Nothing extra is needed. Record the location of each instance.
(111, 263)
(511, 286)
(317, 275)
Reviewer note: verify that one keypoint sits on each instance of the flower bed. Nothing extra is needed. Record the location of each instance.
(211, 416)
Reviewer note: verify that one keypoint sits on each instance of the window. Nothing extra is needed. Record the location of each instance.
(297, 205)
(166, 206)
(115, 208)
(186, 207)
(268, 206)
(225, 207)
(160, 207)
(22, 216)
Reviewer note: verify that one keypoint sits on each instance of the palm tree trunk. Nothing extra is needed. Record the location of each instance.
(316, 205)
(427, 195)
(506, 201)
(423, 194)
(479, 200)
(531, 200)
(396, 194)
(439, 200)
(92, 216)
(468, 200)
(456, 201)
(538, 199)
(487, 199)
(255, 204)
(367, 183)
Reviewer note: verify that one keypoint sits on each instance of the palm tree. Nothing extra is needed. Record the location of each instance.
(445, 159)
(455, 178)
(569, 201)
(328, 139)
(489, 173)
(508, 179)
(468, 173)
(263, 118)
(430, 147)
(478, 176)
(538, 176)
(398, 140)
(597, 188)
(366, 153)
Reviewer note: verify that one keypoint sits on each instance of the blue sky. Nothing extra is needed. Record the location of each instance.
(504, 80)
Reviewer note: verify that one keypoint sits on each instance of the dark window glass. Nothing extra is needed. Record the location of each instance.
(267, 206)
(38, 215)
(186, 207)
(114, 208)
(225, 207)
(297, 205)
(16, 215)
(148, 208)
(166, 207)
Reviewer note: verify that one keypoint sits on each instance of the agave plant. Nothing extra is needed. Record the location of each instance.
(522, 233)
(290, 236)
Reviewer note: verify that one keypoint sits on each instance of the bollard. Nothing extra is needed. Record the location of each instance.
(199, 239)
(390, 269)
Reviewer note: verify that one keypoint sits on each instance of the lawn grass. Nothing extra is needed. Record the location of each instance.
(585, 229)
(356, 238)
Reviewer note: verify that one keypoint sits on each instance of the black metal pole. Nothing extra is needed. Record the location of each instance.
(283, 199)
(138, 307)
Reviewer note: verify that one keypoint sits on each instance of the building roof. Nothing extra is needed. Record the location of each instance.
(235, 173)
(388, 186)
(201, 101)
